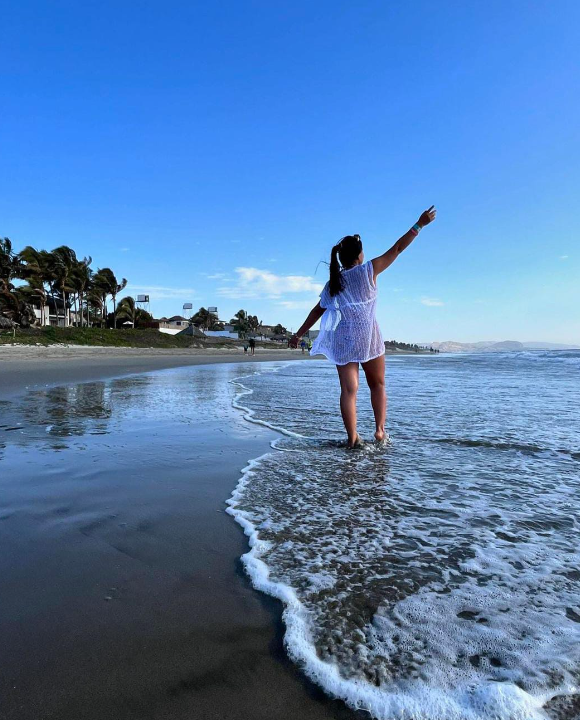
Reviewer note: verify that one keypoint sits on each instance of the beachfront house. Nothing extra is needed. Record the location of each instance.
(172, 325)
(54, 313)
(177, 322)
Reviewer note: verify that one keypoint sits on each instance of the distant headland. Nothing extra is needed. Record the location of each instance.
(496, 346)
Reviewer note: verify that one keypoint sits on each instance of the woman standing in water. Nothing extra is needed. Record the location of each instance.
(349, 332)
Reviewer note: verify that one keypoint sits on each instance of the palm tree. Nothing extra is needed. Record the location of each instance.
(37, 276)
(253, 323)
(108, 284)
(215, 324)
(81, 280)
(64, 261)
(14, 306)
(11, 268)
(241, 323)
(94, 300)
(115, 290)
(10, 265)
(202, 318)
(127, 310)
(103, 280)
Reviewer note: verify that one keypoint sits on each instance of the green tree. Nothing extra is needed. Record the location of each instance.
(81, 283)
(240, 323)
(13, 305)
(36, 272)
(104, 281)
(10, 265)
(62, 262)
(116, 288)
(94, 301)
(128, 310)
(203, 318)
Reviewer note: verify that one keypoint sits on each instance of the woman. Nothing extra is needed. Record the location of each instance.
(349, 332)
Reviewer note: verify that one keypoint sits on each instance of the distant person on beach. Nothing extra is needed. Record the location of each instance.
(252, 346)
(245, 347)
(349, 332)
(303, 345)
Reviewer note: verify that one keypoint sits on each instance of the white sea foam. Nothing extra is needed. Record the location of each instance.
(426, 582)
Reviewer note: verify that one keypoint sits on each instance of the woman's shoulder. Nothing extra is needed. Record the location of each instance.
(364, 271)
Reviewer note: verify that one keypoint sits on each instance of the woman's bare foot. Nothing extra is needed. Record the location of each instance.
(380, 434)
(356, 443)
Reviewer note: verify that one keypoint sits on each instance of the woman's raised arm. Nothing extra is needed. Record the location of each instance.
(383, 261)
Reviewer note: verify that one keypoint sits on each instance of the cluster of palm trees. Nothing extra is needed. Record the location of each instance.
(206, 320)
(244, 323)
(60, 279)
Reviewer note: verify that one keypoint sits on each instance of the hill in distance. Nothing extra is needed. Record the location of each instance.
(494, 346)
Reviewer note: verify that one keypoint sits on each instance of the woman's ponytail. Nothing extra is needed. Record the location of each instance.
(335, 282)
(348, 250)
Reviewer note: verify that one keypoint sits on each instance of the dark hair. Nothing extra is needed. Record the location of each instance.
(347, 250)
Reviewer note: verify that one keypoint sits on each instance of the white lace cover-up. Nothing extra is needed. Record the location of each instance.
(349, 331)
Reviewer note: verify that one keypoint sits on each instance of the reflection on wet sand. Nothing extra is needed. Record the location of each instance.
(51, 415)
(118, 580)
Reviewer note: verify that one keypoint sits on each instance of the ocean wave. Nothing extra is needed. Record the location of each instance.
(529, 449)
(416, 582)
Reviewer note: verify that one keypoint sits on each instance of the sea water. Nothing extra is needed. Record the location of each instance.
(436, 577)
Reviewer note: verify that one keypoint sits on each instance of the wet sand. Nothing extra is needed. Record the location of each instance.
(23, 366)
(120, 583)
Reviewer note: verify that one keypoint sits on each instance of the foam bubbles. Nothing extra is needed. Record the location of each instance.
(420, 580)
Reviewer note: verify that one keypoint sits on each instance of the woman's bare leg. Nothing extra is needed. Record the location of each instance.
(348, 375)
(375, 375)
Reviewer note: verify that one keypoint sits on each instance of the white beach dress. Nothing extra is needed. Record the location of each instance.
(349, 331)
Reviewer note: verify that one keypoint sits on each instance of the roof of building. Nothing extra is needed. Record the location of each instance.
(192, 330)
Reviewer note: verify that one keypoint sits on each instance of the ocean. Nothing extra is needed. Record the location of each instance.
(436, 577)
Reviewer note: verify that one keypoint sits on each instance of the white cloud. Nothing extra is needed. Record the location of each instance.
(564, 257)
(216, 276)
(432, 302)
(296, 304)
(124, 249)
(253, 282)
(158, 292)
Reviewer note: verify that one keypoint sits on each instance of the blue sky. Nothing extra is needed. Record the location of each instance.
(214, 152)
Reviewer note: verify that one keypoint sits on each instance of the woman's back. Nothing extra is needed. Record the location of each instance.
(348, 330)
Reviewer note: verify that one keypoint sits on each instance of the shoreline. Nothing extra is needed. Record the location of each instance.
(125, 568)
(25, 367)
(31, 366)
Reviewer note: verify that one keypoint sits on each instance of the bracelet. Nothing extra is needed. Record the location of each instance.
(416, 227)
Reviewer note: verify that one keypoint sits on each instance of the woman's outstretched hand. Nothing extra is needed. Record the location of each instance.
(427, 217)
(294, 340)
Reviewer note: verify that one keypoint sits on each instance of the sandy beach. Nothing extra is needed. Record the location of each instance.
(122, 590)
(23, 366)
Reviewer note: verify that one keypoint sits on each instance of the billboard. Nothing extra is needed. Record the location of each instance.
(142, 298)
(187, 306)
(213, 310)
